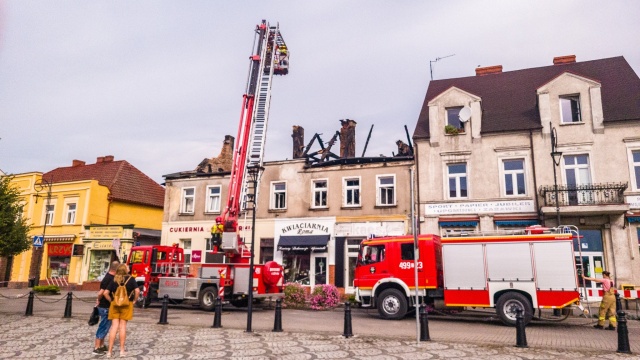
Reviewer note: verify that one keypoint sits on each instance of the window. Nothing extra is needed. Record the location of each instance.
(352, 192)
(213, 199)
(636, 167)
(186, 245)
(48, 218)
(266, 250)
(319, 193)
(279, 195)
(453, 118)
(386, 190)
(457, 176)
(514, 177)
(570, 109)
(71, 214)
(578, 174)
(406, 251)
(188, 198)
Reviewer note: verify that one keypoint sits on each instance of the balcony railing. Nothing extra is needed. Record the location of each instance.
(589, 194)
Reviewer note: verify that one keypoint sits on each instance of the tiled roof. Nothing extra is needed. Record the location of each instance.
(125, 182)
(509, 100)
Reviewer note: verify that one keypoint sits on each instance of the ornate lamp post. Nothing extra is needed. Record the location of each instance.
(254, 174)
(556, 156)
(39, 186)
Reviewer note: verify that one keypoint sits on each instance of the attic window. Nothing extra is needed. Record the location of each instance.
(570, 109)
(453, 118)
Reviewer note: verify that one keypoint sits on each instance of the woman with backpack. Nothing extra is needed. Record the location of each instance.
(123, 293)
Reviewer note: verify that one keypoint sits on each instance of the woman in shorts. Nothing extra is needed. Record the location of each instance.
(119, 315)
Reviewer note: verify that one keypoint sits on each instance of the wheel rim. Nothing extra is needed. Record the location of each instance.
(510, 309)
(391, 305)
(207, 299)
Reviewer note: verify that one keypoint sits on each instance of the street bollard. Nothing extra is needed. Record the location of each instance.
(618, 303)
(29, 311)
(277, 323)
(521, 336)
(163, 312)
(424, 324)
(67, 307)
(217, 318)
(347, 320)
(623, 334)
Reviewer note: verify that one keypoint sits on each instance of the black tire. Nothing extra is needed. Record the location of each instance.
(392, 304)
(207, 298)
(507, 305)
(143, 301)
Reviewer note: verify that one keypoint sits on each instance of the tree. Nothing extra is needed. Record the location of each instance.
(14, 229)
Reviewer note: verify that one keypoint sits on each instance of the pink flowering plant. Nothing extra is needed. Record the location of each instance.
(294, 295)
(324, 297)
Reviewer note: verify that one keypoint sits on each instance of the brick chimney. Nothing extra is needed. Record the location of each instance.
(298, 141)
(561, 60)
(348, 139)
(108, 158)
(99, 159)
(75, 163)
(486, 70)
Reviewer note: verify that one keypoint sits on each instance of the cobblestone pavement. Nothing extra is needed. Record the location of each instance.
(307, 335)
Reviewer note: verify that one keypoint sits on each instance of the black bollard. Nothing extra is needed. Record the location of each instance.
(163, 312)
(217, 318)
(277, 323)
(623, 333)
(347, 320)
(618, 303)
(521, 336)
(67, 307)
(424, 324)
(29, 311)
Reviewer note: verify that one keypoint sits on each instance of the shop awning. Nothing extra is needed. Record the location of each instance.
(516, 222)
(316, 243)
(468, 223)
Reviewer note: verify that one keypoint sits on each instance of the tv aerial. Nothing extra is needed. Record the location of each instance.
(436, 60)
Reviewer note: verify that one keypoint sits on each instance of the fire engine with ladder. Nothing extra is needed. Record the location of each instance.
(160, 270)
(511, 271)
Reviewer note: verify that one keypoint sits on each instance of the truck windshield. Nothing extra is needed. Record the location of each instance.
(371, 254)
(137, 257)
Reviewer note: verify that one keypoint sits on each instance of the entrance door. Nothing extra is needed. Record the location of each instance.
(319, 276)
(592, 261)
(351, 256)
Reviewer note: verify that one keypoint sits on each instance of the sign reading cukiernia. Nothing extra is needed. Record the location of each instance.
(516, 206)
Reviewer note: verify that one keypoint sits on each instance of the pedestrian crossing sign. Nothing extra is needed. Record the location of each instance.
(37, 241)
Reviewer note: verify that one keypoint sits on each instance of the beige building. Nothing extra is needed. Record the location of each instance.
(484, 147)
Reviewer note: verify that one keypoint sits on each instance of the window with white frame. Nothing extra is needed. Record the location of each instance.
(386, 193)
(188, 199)
(213, 199)
(48, 214)
(570, 109)
(279, 195)
(320, 190)
(577, 174)
(453, 118)
(71, 214)
(514, 179)
(352, 192)
(457, 179)
(635, 158)
(186, 245)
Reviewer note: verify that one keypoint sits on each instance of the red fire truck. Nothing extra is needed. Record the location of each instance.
(509, 271)
(160, 270)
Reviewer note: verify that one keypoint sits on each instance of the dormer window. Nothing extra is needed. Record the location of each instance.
(570, 109)
(453, 118)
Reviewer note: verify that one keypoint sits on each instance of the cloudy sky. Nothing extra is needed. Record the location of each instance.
(160, 83)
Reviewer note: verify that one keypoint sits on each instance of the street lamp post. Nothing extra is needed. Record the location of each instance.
(39, 186)
(556, 156)
(254, 173)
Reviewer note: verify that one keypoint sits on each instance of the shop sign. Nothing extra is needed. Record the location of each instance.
(196, 256)
(105, 232)
(382, 228)
(59, 249)
(305, 228)
(633, 201)
(102, 245)
(480, 207)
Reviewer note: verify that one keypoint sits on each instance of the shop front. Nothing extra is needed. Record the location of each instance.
(104, 244)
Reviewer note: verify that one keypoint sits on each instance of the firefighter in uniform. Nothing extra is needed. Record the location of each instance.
(216, 234)
(608, 304)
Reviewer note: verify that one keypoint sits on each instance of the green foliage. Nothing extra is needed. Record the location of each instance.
(14, 229)
(47, 289)
(294, 296)
(451, 130)
(350, 298)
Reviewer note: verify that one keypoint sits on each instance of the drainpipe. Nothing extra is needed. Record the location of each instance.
(535, 178)
(109, 200)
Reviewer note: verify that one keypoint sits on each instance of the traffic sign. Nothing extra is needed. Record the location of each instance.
(38, 240)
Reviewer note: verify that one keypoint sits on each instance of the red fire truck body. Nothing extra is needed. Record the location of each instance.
(523, 270)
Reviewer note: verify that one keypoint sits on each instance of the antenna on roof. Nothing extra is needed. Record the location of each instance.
(436, 60)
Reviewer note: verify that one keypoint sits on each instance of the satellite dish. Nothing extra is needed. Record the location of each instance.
(465, 114)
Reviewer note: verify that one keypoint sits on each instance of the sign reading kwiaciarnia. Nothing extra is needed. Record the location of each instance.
(105, 232)
(479, 207)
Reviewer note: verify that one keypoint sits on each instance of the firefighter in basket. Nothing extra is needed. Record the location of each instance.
(216, 234)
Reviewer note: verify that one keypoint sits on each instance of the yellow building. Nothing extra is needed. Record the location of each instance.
(84, 217)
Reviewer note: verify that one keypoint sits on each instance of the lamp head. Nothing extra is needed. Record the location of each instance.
(557, 156)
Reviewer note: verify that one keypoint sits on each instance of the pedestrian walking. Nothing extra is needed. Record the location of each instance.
(608, 304)
(121, 310)
(103, 310)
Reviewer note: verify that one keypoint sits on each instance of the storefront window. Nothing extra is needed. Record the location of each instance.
(321, 270)
(58, 266)
(296, 267)
(99, 264)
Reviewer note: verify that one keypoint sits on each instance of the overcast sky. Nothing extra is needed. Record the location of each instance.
(160, 83)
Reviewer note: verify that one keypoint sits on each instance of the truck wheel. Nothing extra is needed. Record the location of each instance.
(207, 298)
(143, 301)
(507, 305)
(392, 304)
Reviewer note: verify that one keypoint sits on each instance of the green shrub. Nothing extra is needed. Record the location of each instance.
(51, 289)
(451, 130)
(350, 298)
(294, 296)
